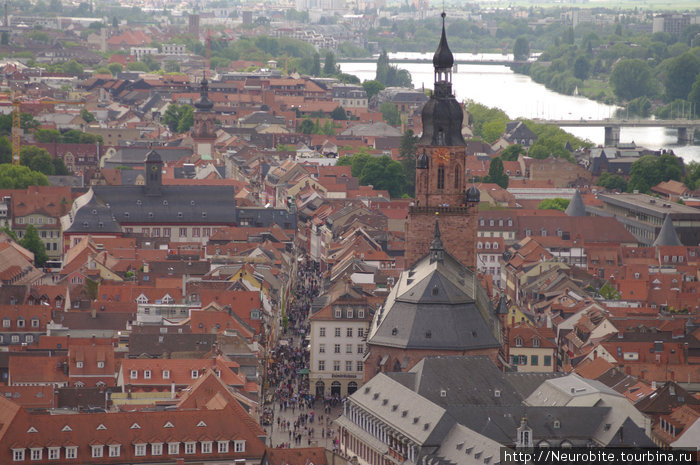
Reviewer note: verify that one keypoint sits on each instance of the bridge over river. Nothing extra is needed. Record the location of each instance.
(458, 61)
(685, 127)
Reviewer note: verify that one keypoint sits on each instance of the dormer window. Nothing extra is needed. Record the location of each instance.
(518, 342)
(535, 342)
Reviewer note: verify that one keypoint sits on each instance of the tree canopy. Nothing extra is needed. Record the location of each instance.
(556, 203)
(179, 118)
(497, 174)
(650, 170)
(389, 75)
(521, 48)
(32, 242)
(20, 177)
(632, 78)
(380, 172)
(408, 149)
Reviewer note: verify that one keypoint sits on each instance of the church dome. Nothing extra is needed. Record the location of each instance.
(203, 103)
(442, 122)
(473, 195)
(443, 55)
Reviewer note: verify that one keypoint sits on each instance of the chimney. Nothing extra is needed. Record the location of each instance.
(172, 390)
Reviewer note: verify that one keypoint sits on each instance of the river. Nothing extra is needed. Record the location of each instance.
(519, 96)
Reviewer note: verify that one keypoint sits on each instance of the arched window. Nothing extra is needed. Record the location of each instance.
(441, 177)
(458, 178)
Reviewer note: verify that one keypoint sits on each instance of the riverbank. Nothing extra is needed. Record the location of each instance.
(520, 97)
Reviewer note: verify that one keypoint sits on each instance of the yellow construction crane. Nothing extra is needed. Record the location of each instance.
(16, 121)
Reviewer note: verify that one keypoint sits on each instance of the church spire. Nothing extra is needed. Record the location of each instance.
(442, 115)
(443, 59)
(203, 103)
(437, 250)
(667, 234)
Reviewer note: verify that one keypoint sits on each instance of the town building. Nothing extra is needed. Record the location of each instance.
(338, 334)
(441, 187)
(437, 307)
(643, 216)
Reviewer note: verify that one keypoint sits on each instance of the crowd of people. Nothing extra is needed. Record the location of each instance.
(287, 373)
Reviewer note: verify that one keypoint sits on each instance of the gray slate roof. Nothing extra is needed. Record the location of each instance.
(464, 380)
(433, 306)
(576, 424)
(667, 235)
(576, 206)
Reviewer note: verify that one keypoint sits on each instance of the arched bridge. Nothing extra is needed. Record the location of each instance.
(686, 127)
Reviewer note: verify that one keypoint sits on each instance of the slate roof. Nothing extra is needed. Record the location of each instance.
(390, 400)
(434, 305)
(113, 205)
(137, 155)
(667, 235)
(577, 425)
(576, 206)
(152, 345)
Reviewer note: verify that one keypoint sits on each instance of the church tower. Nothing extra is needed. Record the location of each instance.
(203, 131)
(441, 187)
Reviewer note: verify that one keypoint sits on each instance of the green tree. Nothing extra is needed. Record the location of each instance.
(115, 68)
(389, 75)
(87, 116)
(339, 114)
(372, 87)
(382, 67)
(60, 168)
(649, 171)
(186, 119)
(36, 159)
(384, 173)
(390, 113)
(608, 292)
(358, 162)
(493, 129)
(556, 203)
(408, 148)
(316, 68)
(681, 73)
(329, 66)
(306, 126)
(32, 242)
(73, 68)
(521, 48)
(692, 175)
(497, 174)
(138, 66)
(178, 118)
(5, 150)
(512, 152)
(632, 78)
(613, 182)
(582, 67)
(20, 177)
(10, 233)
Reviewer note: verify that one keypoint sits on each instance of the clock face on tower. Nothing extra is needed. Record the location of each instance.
(441, 156)
(154, 168)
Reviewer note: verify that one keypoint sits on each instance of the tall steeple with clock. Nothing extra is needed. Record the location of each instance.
(204, 130)
(441, 188)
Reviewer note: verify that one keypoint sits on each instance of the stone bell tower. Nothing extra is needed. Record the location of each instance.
(441, 187)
